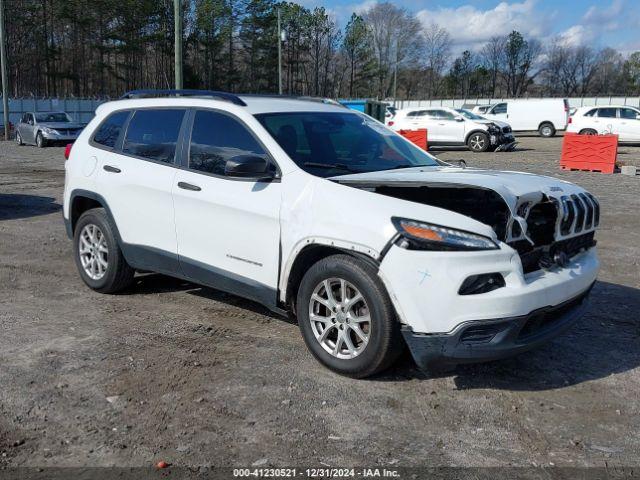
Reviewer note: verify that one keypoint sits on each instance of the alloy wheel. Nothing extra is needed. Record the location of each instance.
(93, 251)
(477, 142)
(340, 318)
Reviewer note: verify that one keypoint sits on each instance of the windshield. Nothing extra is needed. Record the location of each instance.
(53, 117)
(328, 144)
(468, 114)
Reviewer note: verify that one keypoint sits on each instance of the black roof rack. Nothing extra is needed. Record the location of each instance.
(230, 97)
(305, 98)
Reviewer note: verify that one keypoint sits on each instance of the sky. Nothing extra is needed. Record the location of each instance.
(598, 23)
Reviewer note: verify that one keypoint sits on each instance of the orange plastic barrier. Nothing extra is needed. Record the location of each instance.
(590, 153)
(418, 137)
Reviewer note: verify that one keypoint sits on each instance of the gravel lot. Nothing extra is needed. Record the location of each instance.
(196, 377)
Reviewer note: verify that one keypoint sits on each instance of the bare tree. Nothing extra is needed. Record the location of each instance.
(493, 58)
(396, 38)
(437, 50)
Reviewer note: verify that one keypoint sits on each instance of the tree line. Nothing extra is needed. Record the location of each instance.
(101, 48)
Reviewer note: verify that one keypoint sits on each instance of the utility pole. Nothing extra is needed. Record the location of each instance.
(3, 66)
(395, 76)
(279, 55)
(177, 13)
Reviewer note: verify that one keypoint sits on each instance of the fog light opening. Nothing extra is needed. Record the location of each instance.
(483, 283)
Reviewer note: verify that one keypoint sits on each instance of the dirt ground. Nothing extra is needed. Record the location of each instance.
(196, 377)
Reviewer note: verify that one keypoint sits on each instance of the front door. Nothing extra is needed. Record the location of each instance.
(451, 130)
(228, 228)
(629, 125)
(500, 112)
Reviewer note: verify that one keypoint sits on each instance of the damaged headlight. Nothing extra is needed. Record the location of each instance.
(493, 128)
(425, 236)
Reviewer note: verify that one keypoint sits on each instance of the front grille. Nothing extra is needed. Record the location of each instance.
(67, 131)
(531, 257)
(579, 212)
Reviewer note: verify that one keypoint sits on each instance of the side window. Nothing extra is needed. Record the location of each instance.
(591, 113)
(444, 115)
(628, 113)
(430, 113)
(607, 112)
(153, 134)
(216, 138)
(499, 108)
(109, 130)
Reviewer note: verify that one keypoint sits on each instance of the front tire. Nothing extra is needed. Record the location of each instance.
(478, 142)
(546, 129)
(346, 317)
(588, 131)
(41, 142)
(100, 261)
(19, 139)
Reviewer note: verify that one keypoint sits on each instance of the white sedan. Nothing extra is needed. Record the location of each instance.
(621, 120)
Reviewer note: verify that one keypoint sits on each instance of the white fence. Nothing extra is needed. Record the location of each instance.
(81, 110)
(573, 102)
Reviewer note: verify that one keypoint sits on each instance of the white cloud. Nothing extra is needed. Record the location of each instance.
(577, 35)
(606, 18)
(470, 26)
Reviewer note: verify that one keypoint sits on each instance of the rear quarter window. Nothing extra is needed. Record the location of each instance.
(109, 130)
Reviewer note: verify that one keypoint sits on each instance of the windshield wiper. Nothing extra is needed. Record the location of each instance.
(337, 166)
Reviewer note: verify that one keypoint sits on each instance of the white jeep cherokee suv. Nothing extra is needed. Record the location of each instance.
(310, 208)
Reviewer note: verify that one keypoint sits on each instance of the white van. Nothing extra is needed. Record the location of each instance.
(544, 115)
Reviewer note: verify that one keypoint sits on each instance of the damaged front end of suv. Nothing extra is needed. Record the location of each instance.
(512, 293)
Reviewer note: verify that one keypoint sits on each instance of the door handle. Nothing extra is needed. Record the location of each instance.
(188, 186)
(110, 169)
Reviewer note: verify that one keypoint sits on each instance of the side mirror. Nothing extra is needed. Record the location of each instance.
(248, 166)
(637, 116)
(459, 119)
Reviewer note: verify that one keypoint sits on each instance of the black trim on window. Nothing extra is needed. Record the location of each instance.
(187, 140)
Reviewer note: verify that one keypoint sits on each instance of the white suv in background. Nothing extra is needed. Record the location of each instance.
(321, 212)
(454, 127)
(621, 120)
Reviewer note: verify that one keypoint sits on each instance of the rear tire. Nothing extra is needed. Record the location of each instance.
(356, 338)
(478, 142)
(19, 139)
(588, 131)
(100, 261)
(546, 129)
(41, 142)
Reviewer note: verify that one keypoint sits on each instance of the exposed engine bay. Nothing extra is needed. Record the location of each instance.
(545, 230)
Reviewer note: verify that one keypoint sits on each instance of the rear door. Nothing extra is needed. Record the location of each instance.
(429, 119)
(607, 120)
(136, 178)
(228, 228)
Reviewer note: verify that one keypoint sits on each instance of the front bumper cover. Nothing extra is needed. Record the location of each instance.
(485, 340)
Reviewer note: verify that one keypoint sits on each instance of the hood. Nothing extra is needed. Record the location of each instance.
(511, 186)
(486, 121)
(496, 198)
(60, 125)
